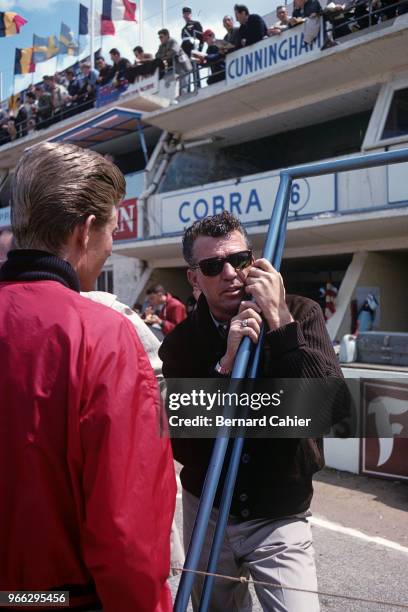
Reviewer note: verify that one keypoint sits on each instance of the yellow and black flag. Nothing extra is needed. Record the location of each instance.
(23, 61)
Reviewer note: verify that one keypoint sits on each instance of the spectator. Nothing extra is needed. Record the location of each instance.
(191, 33)
(74, 91)
(88, 490)
(105, 71)
(87, 83)
(6, 242)
(214, 58)
(58, 93)
(283, 22)
(21, 121)
(44, 107)
(140, 56)
(172, 55)
(120, 65)
(303, 9)
(232, 35)
(253, 28)
(171, 310)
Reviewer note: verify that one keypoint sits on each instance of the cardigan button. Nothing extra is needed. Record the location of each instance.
(246, 458)
(243, 497)
(245, 513)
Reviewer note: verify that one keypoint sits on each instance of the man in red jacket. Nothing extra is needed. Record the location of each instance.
(172, 311)
(87, 486)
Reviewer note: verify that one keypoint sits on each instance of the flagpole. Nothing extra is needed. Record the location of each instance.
(163, 12)
(141, 22)
(92, 33)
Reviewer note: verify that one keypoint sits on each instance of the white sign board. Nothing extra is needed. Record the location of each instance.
(250, 199)
(398, 183)
(273, 51)
(144, 84)
(5, 217)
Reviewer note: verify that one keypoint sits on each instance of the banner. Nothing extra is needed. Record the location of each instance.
(268, 53)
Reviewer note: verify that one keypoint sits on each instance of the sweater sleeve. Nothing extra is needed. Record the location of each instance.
(303, 349)
(175, 314)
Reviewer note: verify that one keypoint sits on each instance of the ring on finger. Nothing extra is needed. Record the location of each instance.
(244, 323)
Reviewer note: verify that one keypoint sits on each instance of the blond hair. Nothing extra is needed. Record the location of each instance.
(56, 187)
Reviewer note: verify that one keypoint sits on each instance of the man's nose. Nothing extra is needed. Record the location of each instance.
(228, 271)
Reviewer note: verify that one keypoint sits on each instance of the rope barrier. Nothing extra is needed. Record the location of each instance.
(248, 581)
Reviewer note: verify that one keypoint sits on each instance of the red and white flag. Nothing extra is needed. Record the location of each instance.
(330, 295)
(116, 10)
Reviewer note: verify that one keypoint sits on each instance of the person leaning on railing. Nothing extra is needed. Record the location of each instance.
(171, 55)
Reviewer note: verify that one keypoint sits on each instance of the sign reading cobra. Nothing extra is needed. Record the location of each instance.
(251, 199)
(273, 51)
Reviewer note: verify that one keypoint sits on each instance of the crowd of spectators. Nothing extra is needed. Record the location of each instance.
(74, 90)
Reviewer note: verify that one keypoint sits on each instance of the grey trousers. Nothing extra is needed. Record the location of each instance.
(278, 551)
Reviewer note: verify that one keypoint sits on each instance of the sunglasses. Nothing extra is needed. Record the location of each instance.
(215, 265)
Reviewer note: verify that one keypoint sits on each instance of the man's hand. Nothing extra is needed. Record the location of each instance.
(265, 285)
(246, 323)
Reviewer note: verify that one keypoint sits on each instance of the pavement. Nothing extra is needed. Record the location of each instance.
(360, 531)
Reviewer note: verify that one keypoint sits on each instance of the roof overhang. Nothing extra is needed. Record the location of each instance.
(102, 128)
(378, 230)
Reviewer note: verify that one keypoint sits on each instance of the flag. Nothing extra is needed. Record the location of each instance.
(44, 48)
(329, 292)
(11, 23)
(23, 61)
(83, 20)
(68, 44)
(84, 27)
(116, 10)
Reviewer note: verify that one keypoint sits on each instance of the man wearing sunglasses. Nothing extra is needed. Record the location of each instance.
(267, 536)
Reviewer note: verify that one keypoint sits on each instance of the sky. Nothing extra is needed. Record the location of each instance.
(44, 19)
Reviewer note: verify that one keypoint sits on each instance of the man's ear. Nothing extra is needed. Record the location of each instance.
(82, 232)
(192, 278)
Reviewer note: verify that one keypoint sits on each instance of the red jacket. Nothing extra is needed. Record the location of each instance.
(173, 313)
(87, 486)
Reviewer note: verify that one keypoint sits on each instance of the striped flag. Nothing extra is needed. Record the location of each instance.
(116, 10)
(84, 28)
(11, 23)
(23, 61)
(68, 44)
(44, 48)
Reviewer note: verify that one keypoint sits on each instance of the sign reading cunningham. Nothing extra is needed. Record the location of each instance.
(273, 51)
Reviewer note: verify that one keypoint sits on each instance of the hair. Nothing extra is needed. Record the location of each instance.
(227, 17)
(164, 31)
(55, 187)
(280, 7)
(100, 57)
(70, 71)
(115, 51)
(215, 227)
(156, 289)
(86, 65)
(138, 49)
(241, 8)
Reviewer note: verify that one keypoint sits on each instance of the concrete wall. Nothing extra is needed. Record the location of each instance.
(386, 271)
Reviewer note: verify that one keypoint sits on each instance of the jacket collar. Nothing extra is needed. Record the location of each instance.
(32, 265)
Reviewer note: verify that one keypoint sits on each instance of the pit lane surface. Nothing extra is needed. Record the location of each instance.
(350, 514)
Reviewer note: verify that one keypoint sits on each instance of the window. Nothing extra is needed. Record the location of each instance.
(105, 281)
(397, 119)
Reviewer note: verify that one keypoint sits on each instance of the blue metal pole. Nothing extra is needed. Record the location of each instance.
(275, 250)
(370, 160)
(244, 352)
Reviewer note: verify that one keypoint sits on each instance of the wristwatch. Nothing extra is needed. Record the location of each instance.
(221, 370)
